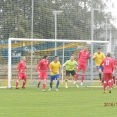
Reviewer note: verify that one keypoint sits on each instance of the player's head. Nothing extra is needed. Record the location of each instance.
(45, 57)
(71, 58)
(23, 58)
(56, 58)
(98, 50)
(85, 48)
(108, 54)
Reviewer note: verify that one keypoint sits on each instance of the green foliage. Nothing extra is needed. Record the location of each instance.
(73, 23)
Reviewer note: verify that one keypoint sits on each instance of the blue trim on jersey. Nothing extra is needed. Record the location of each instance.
(53, 77)
(100, 67)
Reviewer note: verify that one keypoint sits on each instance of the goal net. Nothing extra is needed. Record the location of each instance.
(35, 49)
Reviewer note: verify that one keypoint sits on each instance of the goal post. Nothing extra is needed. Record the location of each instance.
(62, 46)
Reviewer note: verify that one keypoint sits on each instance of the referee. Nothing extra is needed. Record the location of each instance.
(70, 66)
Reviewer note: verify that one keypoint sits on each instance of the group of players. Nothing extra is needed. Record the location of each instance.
(105, 66)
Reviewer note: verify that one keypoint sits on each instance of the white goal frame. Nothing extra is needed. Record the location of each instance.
(46, 40)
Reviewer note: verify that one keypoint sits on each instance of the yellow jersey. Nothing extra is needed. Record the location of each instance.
(55, 67)
(99, 58)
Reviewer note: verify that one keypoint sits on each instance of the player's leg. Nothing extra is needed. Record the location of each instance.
(83, 76)
(105, 82)
(52, 77)
(58, 81)
(44, 81)
(40, 77)
(24, 80)
(73, 73)
(19, 78)
(77, 71)
(110, 81)
(66, 80)
(100, 71)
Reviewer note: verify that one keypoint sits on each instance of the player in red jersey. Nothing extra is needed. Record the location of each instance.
(42, 67)
(108, 65)
(83, 56)
(22, 72)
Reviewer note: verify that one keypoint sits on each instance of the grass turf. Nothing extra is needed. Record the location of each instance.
(71, 102)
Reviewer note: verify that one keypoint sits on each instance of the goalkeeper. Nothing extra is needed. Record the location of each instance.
(70, 69)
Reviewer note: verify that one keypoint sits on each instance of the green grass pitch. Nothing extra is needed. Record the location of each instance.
(71, 102)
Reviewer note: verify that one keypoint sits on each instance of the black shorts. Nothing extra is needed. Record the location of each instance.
(73, 73)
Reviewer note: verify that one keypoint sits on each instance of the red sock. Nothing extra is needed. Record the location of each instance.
(17, 84)
(82, 77)
(24, 82)
(104, 85)
(110, 84)
(76, 77)
(44, 85)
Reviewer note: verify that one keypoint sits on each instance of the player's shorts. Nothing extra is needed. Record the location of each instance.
(100, 67)
(107, 76)
(53, 77)
(73, 73)
(22, 76)
(42, 75)
(82, 66)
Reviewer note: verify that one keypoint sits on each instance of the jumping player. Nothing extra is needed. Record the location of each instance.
(70, 69)
(42, 67)
(108, 65)
(22, 72)
(83, 56)
(55, 68)
(98, 57)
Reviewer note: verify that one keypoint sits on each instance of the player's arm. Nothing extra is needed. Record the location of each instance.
(65, 64)
(38, 67)
(88, 56)
(102, 63)
(79, 55)
(19, 67)
(94, 56)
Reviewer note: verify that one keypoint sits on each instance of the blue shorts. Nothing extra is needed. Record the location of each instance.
(100, 67)
(53, 77)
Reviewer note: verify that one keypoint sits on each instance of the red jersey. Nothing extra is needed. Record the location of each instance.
(43, 65)
(22, 66)
(83, 56)
(108, 65)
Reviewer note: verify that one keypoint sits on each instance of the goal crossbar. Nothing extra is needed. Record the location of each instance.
(41, 40)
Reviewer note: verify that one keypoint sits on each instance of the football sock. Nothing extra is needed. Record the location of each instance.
(51, 82)
(44, 85)
(57, 84)
(24, 82)
(66, 82)
(82, 78)
(110, 84)
(100, 76)
(76, 77)
(17, 84)
(104, 85)
(39, 84)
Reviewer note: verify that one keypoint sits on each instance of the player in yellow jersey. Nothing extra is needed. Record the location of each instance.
(55, 67)
(98, 57)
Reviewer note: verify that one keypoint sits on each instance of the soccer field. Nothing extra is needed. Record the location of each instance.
(71, 102)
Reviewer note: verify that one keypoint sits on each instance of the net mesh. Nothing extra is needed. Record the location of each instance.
(73, 23)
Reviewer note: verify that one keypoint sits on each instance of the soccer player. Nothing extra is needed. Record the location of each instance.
(55, 68)
(42, 67)
(98, 57)
(83, 56)
(22, 72)
(70, 66)
(108, 65)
